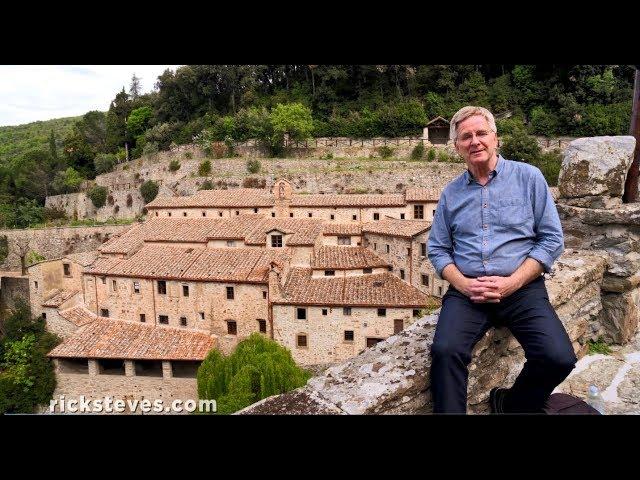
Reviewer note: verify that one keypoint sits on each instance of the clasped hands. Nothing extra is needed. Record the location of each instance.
(490, 289)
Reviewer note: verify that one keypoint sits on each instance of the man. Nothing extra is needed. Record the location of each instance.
(495, 231)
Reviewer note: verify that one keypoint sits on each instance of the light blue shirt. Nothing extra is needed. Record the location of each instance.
(492, 229)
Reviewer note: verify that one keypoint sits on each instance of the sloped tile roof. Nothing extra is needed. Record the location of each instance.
(373, 290)
(342, 229)
(344, 258)
(57, 297)
(236, 197)
(108, 338)
(397, 228)
(422, 195)
(348, 200)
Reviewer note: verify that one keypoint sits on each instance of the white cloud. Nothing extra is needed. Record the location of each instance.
(29, 93)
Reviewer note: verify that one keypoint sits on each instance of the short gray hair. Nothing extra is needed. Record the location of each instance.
(466, 112)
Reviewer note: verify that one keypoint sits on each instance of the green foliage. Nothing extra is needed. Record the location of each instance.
(205, 168)
(385, 151)
(431, 154)
(138, 121)
(598, 346)
(520, 146)
(104, 162)
(4, 247)
(253, 165)
(150, 149)
(188, 155)
(98, 195)
(16, 140)
(258, 368)
(149, 190)
(174, 165)
(27, 378)
(418, 152)
(293, 119)
(206, 185)
(34, 257)
(67, 181)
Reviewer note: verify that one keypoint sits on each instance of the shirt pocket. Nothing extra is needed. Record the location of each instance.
(512, 212)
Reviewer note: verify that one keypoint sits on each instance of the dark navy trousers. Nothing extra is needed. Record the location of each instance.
(531, 319)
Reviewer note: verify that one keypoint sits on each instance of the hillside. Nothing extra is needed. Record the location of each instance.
(16, 140)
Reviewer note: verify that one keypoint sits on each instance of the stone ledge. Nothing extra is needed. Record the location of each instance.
(393, 376)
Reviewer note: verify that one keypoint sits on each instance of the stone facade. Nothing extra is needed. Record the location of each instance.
(56, 242)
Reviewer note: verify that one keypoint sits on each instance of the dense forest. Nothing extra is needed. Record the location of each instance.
(227, 103)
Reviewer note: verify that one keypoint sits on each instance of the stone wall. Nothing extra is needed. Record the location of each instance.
(12, 288)
(393, 376)
(56, 242)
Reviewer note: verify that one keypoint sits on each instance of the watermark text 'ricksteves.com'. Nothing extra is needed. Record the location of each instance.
(111, 405)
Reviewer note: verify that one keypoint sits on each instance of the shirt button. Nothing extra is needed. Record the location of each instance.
(485, 227)
(484, 206)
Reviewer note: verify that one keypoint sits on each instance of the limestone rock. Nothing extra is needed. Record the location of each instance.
(620, 315)
(629, 388)
(596, 166)
(599, 373)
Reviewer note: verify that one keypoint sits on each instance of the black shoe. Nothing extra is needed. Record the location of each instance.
(496, 399)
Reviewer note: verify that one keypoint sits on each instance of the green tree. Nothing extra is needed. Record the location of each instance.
(205, 168)
(98, 195)
(116, 122)
(135, 89)
(258, 368)
(138, 121)
(67, 181)
(104, 162)
(520, 146)
(149, 190)
(4, 247)
(294, 119)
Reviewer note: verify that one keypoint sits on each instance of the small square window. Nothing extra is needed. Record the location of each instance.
(425, 280)
(162, 287)
(333, 217)
(114, 285)
(375, 246)
(344, 240)
(104, 312)
(183, 321)
(185, 290)
(232, 327)
(201, 315)
(184, 214)
(367, 270)
(401, 274)
(329, 273)
(204, 214)
(276, 241)
(291, 214)
(264, 294)
(310, 214)
(164, 319)
(231, 243)
(325, 311)
(35, 284)
(104, 280)
(136, 287)
(143, 317)
(67, 269)
(402, 216)
(346, 311)
(273, 214)
(382, 312)
(423, 249)
(348, 335)
(156, 214)
(169, 214)
(355, 217)
(255, 210)
(376, 216)
(230, 293)
(386, 247)
(219, 214)
(262, 326)
(44, 316)
(301, 313)
(416, 313)
(301, 340)
(237, 212)
(418, 212)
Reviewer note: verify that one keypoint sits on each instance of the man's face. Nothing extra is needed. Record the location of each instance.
(476, 142)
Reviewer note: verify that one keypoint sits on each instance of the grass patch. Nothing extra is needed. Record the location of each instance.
(598, 346)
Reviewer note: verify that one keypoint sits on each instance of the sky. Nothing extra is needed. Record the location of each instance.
(29, 93)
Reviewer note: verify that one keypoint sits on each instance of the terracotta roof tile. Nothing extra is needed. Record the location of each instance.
(85, 258)
(342, 229)
(422, 195)
(396, 228)
(344, 258)
(373, 290)
(78, 315)
(348, 200)
(57, 297)
(236, 197)
(107, 338)
(304, 231)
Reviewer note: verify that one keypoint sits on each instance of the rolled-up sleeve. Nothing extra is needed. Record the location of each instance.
(440, 246)
(549, 241)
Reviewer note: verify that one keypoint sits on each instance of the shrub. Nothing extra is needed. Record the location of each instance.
(53, 214)
(431, 154)
(258, 368)
(104, 162)
(206, 185)
(98, 195)
(188, 155)
(205, 168)
(174, 165)
(418, 152)
(520, 146)
(598, 346)
(150, 149)
(385, 152)
(253, 166)
(149, 190)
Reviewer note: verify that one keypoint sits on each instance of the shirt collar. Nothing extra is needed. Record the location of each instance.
(499, 167)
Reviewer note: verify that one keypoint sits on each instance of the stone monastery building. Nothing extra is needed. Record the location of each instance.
(324, 275)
